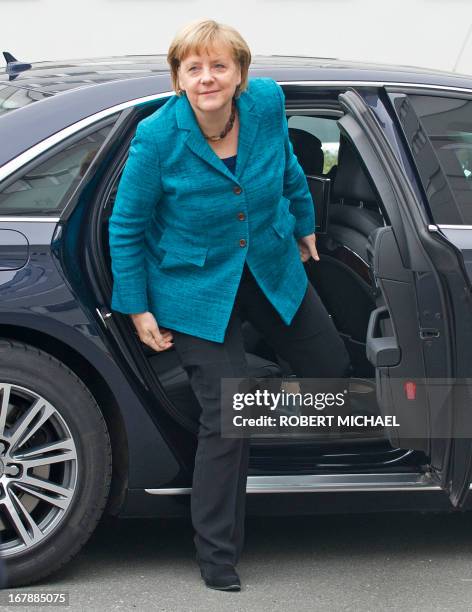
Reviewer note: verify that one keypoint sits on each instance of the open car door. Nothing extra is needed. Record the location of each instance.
(420, 337)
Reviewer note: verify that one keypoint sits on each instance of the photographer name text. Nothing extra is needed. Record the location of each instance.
(316, 420)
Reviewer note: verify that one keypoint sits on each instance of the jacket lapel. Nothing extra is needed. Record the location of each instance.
(248, 127)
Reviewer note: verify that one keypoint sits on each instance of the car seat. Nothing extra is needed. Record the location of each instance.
(342, 276)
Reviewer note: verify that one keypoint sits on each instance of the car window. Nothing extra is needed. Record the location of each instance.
(325, 130)
(448, 126)
(45, 188)
(12, 97)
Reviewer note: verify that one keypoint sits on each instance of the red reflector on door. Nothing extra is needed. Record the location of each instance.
(410, 390)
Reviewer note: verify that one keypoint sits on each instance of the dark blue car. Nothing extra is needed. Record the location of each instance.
(93, 421)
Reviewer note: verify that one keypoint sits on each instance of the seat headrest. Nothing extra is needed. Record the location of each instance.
(307, 148)
(351, 181)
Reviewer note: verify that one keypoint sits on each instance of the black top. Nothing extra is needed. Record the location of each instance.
(230, 163)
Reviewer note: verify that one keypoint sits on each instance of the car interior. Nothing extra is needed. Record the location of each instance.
(342, 277)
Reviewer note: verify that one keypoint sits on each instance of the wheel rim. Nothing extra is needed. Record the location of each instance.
(38, 469)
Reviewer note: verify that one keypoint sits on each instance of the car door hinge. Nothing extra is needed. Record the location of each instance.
(426, 333)
(103, 315)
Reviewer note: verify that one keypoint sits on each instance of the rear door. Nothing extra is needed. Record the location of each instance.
(420, 336)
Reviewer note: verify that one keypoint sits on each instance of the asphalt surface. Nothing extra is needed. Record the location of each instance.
(384, 561)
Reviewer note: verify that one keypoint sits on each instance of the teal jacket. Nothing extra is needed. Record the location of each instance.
(183, 225)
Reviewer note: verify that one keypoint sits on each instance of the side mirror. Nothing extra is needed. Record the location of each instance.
(320, 188)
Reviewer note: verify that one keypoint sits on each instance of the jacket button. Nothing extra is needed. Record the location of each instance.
(237, 190)
(242, 242)
(241, 216)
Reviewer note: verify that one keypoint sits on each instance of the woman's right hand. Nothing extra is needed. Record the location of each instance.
(149, 332)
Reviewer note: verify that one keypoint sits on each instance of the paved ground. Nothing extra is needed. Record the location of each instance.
(330, 563)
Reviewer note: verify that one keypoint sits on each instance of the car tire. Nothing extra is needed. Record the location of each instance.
(55, 463)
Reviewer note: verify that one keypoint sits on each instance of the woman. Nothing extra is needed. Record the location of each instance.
(212, 222)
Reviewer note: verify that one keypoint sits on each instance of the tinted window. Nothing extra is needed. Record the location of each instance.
(447, 123)
(12, 98)
(45, 188)
(325, 131)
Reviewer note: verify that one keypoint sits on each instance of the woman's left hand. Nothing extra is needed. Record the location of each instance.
(307, 248)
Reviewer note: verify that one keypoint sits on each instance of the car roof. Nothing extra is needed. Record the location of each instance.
(72, 90)
(56, 76)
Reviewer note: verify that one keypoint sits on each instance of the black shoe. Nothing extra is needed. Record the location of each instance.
(221, 577)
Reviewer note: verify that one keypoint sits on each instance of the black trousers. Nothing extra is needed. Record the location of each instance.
(313, 349)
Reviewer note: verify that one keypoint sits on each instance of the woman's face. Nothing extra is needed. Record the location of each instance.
(209, 79)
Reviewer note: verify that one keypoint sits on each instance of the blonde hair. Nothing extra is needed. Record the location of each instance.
(200, 35)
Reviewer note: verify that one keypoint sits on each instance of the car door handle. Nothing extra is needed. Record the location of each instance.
(381, 352)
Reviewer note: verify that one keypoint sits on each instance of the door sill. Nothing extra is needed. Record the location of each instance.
(322, 483)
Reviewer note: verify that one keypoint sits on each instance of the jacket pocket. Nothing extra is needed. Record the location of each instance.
(284, 223)
(178, 251)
